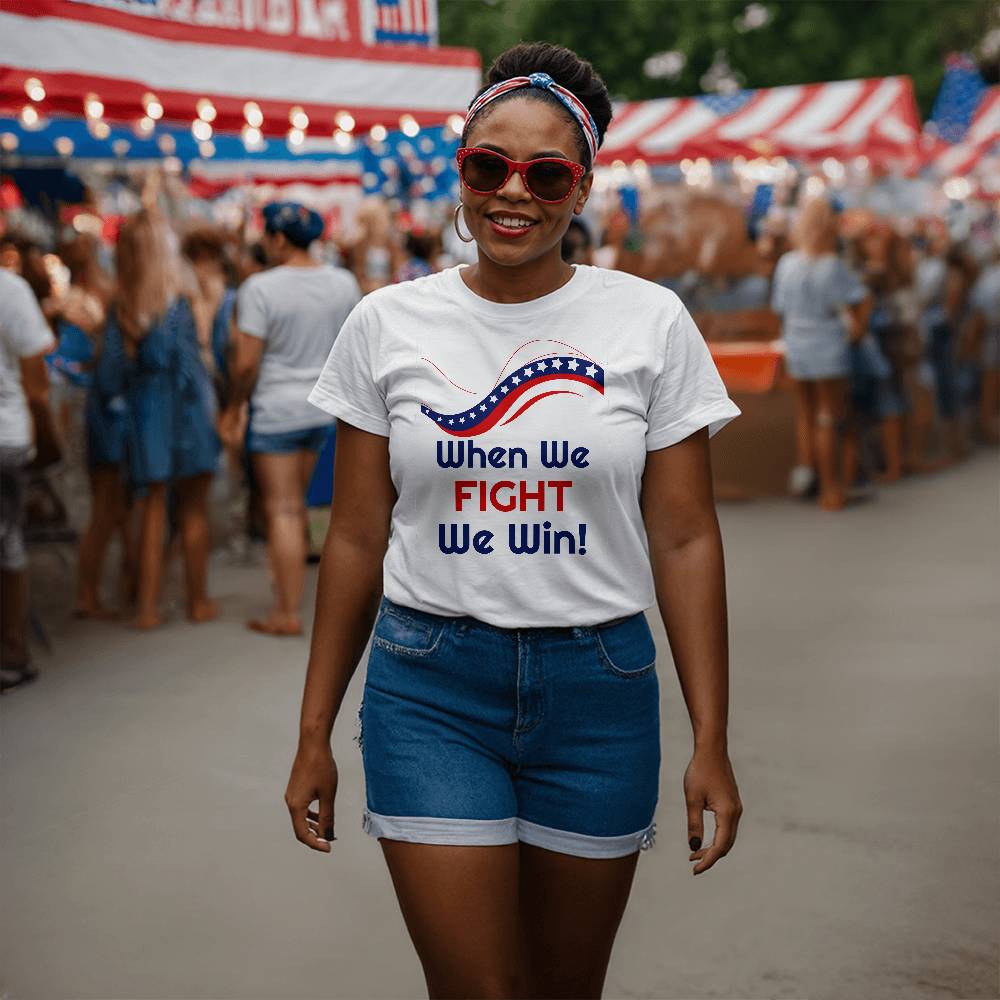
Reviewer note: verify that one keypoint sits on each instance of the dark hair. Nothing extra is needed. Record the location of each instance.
(567, 69)
(204, 241)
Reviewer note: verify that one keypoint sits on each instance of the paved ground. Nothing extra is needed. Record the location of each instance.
(147, 851)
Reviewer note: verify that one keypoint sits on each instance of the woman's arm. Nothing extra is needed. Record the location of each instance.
(347, 599)
(685, 548)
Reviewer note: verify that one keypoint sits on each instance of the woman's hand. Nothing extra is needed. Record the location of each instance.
(232, 426)
(709, 783)
(314, 777)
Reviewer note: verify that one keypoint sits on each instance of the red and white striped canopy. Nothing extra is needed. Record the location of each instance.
(876, 118)
(956, 159)
(282, 55)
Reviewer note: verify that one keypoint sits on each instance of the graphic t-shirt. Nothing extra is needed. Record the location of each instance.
(518, 435)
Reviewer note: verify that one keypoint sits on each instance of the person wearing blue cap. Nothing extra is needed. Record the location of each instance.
(287, 318)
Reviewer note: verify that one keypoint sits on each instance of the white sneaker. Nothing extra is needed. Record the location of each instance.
(801, 480)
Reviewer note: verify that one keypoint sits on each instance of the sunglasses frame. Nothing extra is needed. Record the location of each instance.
(521, 166)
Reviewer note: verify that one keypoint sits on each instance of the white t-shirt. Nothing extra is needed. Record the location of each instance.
(23, 333)
(518, 435)
(297, 312)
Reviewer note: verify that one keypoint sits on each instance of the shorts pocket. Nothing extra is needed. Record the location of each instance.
(406, 635)
(627, 648)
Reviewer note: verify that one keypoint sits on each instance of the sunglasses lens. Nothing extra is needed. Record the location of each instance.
(483, 171)
(550, 181)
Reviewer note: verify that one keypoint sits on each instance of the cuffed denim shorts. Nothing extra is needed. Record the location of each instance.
(479, 735)
(285, 442)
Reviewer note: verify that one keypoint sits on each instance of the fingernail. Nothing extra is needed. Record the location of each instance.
(695, 843)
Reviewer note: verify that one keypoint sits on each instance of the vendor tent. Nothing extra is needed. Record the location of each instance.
(874, 117)
(270, 64)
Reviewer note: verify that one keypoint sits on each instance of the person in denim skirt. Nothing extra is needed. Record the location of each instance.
(522, 469)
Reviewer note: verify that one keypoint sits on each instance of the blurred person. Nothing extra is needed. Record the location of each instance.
(982, 335)
(421, 247)
(822, 306)
(374, 254)
(511, 703)
(80, 318)
(25, 339)
(213, 298)
(940, 288)
(287, 320)
(577, 245)
(152, 356)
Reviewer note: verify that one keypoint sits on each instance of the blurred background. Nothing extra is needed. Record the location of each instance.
(148, 733)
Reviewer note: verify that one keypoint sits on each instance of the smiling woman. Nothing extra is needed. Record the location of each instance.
(511, 705)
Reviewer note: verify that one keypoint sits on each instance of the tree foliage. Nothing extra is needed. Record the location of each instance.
(805, 41)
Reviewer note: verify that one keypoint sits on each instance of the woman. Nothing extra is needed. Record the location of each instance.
(820, 302)
(511, 704)
(152, 357)
(287, 319)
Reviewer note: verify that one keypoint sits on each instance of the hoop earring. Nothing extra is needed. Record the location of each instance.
(458, 208)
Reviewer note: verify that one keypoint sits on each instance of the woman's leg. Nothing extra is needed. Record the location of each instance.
(280, 478)
(107, 510)
(460, 906)
(570, 911)
(152, 531)
(192, 498)
(989, 405)
(805, 410)
(831, 396)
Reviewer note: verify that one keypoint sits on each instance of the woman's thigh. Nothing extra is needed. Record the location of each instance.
(460, 907)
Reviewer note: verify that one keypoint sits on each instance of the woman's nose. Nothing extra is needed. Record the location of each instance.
(515, 188)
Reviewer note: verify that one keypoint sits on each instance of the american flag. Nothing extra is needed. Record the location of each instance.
(965, 121)
(518, 391)
(405, 21)
(846, 118)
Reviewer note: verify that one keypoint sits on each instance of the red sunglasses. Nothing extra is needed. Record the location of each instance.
(550, 179)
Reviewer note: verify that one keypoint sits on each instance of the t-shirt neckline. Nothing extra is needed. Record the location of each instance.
(519, 310)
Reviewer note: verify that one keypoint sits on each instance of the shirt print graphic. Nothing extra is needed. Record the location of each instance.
(541, 522)
(522, 382)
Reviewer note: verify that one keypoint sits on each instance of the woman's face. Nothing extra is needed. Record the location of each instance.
(523, 130)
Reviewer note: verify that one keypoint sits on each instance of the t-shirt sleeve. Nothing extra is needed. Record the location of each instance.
(346, 387)
(688, 393)
(24, 328)
(251, 314)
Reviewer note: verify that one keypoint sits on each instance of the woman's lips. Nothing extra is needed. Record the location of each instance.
(511, 232)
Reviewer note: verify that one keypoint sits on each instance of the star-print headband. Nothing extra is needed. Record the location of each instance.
(544, 82)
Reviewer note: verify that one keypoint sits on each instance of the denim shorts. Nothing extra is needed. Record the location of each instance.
(285, 442)
(479, 735)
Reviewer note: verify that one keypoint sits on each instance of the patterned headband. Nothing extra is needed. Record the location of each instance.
(544, 82)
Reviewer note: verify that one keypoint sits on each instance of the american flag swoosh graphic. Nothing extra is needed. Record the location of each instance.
(521, 389)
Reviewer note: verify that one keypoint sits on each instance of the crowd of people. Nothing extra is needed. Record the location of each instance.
(191, 357)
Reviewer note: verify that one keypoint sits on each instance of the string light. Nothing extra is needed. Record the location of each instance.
(145, 126)
(99, 129)
(34, 89)
(64, 145)
(409, 125)
(378, 132)
(201, 130)
(253, 114)
(120, 147)
(206, 110)
(456, 123)
(92, 106)
(29, 116)
(298, 118)
(252, 137)
(154, 109)
(8, 142)
(345, 121)
(206, 149)
(296, 137)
